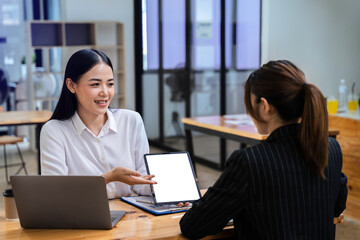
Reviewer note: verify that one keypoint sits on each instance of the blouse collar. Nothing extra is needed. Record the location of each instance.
(110, 124)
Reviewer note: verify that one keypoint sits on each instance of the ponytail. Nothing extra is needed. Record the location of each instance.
(314, 127)
(284, 86)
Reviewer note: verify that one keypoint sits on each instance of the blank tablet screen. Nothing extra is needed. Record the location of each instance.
(176, 180)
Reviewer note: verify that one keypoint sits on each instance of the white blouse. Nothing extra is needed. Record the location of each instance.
(69, 148)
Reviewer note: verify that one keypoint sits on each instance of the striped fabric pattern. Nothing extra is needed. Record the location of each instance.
(271, 194)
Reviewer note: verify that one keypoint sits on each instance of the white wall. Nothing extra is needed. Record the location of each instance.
(109, 10)
(322, 37)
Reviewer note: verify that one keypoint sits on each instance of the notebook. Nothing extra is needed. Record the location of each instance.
(63, 202)
(147, 203)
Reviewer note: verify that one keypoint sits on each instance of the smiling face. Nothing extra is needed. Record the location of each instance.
(93, 91)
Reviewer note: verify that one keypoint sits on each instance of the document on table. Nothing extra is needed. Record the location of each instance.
(146, 203)
(238, 119)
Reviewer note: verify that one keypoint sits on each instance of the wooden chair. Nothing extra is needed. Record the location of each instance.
(4, 140)
(7, 139)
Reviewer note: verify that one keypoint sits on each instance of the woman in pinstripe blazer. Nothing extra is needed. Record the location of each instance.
(291, 185)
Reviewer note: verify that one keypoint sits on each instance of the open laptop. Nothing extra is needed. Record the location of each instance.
(63, 202)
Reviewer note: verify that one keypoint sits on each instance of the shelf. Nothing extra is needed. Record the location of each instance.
(58, 40)
(109, 47)
(109, 33)
(46, 34)
(77, 34)
(81, 46)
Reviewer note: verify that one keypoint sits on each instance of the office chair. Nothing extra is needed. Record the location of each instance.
(176, 83)
(8, 139)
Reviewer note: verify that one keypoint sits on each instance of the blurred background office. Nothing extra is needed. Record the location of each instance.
(192, 63)
(177, 58)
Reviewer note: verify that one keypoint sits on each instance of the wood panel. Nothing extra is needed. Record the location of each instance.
(354, 187)
(220, 124)
(349, 165)
(24, 117)
(352, 207)
(349, 140)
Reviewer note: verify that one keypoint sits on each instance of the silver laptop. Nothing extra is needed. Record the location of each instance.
(63, 202)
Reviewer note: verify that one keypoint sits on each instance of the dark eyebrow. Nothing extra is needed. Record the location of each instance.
(99, 80)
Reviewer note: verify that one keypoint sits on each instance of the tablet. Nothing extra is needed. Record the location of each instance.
(175, 177)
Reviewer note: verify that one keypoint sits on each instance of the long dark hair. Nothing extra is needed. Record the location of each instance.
(284, 86)
(79, 63)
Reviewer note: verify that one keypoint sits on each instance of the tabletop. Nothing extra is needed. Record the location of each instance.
(136, 224)
(236, 124)
(24, 117)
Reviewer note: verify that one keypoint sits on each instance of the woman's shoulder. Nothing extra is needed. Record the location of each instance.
(334, 146)
(256, 154)
(333, 142)
(54, 125)
(125, 113)
(238, 156)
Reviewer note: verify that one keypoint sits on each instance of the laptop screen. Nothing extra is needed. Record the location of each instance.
(62, 202)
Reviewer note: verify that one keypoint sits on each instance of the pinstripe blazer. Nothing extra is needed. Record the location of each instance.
(271, 194)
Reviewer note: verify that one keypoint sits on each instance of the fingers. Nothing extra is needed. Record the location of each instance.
(131, 172)
(148, 177)
(150, 182)
(140, 180)
(128, 176)
(180, 204)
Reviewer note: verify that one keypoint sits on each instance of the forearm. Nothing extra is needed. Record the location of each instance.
(226, 199)
(208, 215)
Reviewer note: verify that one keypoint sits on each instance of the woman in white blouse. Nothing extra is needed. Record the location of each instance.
(86, 137)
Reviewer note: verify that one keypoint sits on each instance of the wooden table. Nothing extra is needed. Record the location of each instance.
(17, 118)
(136, 224)
(228, 127)
(349, 140)
(237, 127)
